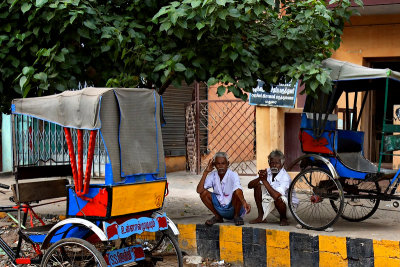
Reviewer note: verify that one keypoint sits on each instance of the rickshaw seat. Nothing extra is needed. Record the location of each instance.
(31, 172)
(40, 190)
(44, 188)
(357, 162)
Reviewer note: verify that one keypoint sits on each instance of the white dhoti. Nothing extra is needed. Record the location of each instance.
(280, 184)
(268, 204)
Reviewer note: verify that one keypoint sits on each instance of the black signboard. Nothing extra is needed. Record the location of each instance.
(281, 95)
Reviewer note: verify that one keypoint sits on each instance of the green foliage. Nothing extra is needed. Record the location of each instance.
(49, 46)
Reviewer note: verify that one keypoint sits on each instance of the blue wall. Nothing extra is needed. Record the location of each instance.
(6, 143)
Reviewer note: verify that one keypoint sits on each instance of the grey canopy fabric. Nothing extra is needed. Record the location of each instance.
(345, 71)
(128, 119)
(349, 77)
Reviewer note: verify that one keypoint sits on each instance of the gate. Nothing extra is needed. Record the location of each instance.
(220, 125)
(37, 142)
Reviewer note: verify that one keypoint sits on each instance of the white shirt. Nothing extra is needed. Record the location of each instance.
(223, 189)
(280, 184)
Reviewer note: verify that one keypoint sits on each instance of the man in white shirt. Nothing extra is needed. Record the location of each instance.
(226, 200)
(271, 189)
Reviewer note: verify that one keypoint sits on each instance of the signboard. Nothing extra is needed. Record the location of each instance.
(125, 255)
(135, 226)
(281, 95)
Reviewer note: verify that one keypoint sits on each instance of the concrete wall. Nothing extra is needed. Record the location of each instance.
(175, 164)
(370, 37)
(250, 247)
(6, 143)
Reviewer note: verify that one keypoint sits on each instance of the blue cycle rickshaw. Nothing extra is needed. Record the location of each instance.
(336, 180)
(110, 224)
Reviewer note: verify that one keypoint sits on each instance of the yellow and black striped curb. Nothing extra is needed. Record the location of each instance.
(255, 247)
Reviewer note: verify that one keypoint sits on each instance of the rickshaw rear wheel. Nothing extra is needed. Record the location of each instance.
(160, 248)
(72, 252)
(359, 209)
(315, 189)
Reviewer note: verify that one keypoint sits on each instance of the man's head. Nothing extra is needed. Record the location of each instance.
(221, 163)
(276, 160)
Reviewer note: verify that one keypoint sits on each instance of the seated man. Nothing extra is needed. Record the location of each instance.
(226, 200)
(271, 189)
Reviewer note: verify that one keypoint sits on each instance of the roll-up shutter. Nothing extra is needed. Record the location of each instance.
(174, 113)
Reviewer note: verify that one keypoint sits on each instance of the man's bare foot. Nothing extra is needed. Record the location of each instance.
(284, 222)
(258, 220)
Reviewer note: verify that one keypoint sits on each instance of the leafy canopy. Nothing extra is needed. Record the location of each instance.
(49, 46)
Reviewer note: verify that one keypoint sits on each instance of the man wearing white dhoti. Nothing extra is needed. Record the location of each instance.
(271, 189)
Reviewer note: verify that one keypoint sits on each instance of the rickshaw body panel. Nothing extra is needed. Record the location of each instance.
(105, 201)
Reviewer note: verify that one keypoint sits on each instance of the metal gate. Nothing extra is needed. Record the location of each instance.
(221, 125)
(37, 142)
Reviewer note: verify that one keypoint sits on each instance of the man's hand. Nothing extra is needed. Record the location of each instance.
(200, 187)
(210, 166)
(262, 174)
(247, 207)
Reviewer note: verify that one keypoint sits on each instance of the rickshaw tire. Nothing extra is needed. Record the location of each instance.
(368, 215)
(173, 238)
(174, 241)
(339, 187)
(83, 243)
(169, 234)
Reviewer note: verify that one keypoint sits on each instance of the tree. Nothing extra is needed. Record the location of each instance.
(49, 46)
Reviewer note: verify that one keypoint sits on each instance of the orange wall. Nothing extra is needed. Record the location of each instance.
(370, 37)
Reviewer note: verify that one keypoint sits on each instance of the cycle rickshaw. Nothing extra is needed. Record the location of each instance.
(114, 223)
(336, 180)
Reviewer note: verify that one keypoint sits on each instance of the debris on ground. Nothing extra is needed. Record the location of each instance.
(9, 233)
(198, 261)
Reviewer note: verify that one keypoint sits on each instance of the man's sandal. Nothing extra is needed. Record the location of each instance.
(213, 221)
(238, 221)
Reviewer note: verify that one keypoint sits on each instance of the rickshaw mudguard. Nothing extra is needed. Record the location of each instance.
(171, 224)
(318, 158)
(74, 221)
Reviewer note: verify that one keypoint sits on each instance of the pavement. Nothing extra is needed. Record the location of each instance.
(185, 208)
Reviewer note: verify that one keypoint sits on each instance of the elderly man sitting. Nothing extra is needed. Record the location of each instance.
(226, 200)
(271, 189)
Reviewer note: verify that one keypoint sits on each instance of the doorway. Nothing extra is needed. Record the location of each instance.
(376, 101)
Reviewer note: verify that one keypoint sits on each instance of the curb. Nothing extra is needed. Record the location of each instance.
(256, 247)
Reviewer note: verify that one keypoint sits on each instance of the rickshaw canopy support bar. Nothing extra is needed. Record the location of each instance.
(81, 183)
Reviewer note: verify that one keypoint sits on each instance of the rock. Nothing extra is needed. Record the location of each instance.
(192, 261)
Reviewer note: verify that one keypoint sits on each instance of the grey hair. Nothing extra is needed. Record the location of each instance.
(277, 154)
(221, 155)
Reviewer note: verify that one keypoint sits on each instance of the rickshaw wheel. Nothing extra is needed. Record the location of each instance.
(315, 189)
(72, 252)
(356, 209)
(161, 249)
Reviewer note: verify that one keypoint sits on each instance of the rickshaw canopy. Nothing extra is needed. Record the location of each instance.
(128, 119)
(351, 77)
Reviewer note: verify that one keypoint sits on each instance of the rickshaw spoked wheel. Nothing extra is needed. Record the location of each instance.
(160, 248)
(315, 189)
(359, 209)
(72, 252)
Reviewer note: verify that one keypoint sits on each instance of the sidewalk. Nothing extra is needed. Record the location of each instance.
(368, 243)
(373, 242)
